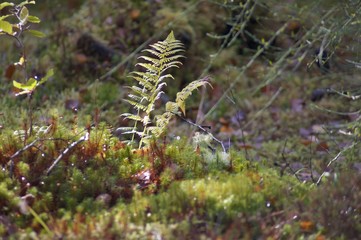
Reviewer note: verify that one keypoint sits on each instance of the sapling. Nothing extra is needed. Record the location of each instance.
(14, 24)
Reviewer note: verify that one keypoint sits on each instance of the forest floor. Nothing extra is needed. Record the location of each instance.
(268, 151)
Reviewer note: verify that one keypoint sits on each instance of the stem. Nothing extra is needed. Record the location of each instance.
(30, 112)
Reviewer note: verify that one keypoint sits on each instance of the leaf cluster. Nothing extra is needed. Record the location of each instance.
(21, 14)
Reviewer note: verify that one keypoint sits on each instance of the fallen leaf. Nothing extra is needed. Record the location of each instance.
(320, 237)
(245, 146)
(306, 226)
(322, 147)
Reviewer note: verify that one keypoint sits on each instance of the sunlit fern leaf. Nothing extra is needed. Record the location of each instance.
(125, 129)
(151, 81)
(187, 91)
(143, 82)
(136, 98)
(132, 117)
(165, 76)
(143, 94)
(154, 61)
(171, 107)
(150, 68)
(136, 105)
(153, 52)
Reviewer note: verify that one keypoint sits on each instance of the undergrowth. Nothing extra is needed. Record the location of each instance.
(270, 151)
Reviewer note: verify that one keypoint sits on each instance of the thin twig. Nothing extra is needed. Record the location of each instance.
(18, 153)
(333, 160)
(85, 137)
(204, 130)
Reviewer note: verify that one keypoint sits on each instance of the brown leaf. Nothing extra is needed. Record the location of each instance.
(10, 71)
(322, 147)
(306, 226)
(245, 146)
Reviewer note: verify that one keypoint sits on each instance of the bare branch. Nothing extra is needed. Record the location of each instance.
(85, 137)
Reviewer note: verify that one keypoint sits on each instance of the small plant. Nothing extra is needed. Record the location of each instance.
(165, 55)
(15, 29)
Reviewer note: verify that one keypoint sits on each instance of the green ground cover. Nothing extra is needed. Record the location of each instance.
(270, 151)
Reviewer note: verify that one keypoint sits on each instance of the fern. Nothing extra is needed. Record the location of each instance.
(164, 55)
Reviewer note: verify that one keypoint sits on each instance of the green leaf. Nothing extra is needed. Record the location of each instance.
(27, 87)
(33, 19)
(6, 27)
(21, 61)
(5, 4)
(23, 16)
(36, 33)
(26, 2)
(49, 74)
(6, 16)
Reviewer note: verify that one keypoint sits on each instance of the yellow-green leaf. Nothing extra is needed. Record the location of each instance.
(49, 74)
(24, 14)
(28, 86)
(5, 4)
(26, 2)
(33, 19)
(36, 33)
(6, 27)
(21, 61)
(182, 106)
(5, 16)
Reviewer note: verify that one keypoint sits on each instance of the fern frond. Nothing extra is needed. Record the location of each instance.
(145, 82)
(125, 129)
(170, 59)
(136, 98)
(162, 122)
(132, 117)
(136, 105)
(172, 52)
(161, 79)
(155, 61)
(169, 66)
(163, 56)
(153, 52)
(143, 93)
(172, 107)
(187, 91)
(149, 67)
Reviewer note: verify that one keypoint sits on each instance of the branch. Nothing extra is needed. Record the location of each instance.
(333, 160)
(18, 153)
(203, 129)
(85, 137)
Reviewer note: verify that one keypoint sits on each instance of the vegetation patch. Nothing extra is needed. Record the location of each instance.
(191, 120)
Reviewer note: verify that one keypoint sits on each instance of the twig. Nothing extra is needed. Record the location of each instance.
(333, 160)
(85, 137)
(32, 144)
(204, 130)
(18, 153)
